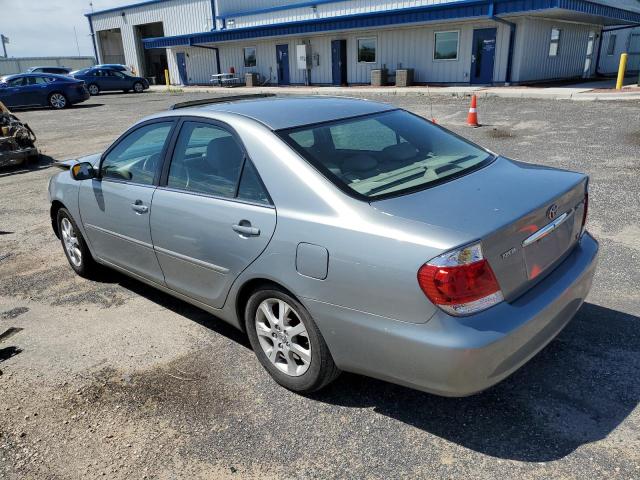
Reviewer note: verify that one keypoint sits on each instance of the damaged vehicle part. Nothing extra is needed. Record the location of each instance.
(17, 140)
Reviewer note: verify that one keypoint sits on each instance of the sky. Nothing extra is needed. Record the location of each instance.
(43, 28)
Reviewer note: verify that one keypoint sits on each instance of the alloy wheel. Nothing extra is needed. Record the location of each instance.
(71, 243)
(94, 90)
(58, 100)
(283, 337)
(138, 88)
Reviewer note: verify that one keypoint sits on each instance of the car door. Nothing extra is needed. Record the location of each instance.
(36, 90)
(115, 207)
(211, 214)
(13, 94)
(119, 80)
(104, 81)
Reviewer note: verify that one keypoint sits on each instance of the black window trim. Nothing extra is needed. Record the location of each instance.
(130, 131)
(166, 164)
(343, 187)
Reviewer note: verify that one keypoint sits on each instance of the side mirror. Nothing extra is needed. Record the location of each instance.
(83, 171)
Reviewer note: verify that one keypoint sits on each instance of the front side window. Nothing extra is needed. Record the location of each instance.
(137, 157)
(367, 50)
(209, 160)
(554, 45)
(16, 82)
(611, 46)
(386, 153)
(250, 57)
(446, 45)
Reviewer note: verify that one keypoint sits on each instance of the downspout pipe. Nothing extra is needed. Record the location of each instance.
(512, 40)
(93, 39)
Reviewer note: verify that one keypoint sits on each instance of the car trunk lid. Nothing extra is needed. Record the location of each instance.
(527, 217)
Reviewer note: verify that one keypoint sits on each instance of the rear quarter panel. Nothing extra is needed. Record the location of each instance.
(373, 257)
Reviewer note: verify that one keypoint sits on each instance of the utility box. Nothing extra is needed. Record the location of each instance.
(303, 56)
(251, 79)
(379, 77)
(404, 77)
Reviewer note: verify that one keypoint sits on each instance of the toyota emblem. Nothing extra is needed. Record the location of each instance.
(552, 212)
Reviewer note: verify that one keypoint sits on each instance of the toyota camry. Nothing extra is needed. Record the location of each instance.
(340, 235)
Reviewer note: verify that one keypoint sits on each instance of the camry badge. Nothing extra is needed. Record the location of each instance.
(552, 212)
(508, 253)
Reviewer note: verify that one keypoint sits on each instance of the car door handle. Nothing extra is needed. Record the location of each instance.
(246, 229)
(138, 207)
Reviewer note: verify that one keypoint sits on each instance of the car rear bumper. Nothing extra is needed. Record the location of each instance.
(78, 96)
(459, 356)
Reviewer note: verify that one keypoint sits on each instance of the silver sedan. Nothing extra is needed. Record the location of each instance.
(339, 234)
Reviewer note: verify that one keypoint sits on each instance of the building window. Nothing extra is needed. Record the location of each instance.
(446, 45)
(367, 50)
(555, 42)
(611, 47)
(250, 56)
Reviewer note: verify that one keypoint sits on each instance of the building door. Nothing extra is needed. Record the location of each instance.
(181, 60)
(282, 58)
(483, 55)
(339, 62)
(589, 58)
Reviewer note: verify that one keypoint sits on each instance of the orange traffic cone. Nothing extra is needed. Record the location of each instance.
(472, 118)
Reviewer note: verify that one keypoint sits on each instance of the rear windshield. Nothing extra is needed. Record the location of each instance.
(385, 154)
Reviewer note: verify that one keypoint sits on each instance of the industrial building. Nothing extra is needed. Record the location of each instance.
(337, 42)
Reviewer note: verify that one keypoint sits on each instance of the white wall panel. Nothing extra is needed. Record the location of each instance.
(532, 55)
(323, 10)
(178, 17)
(609, 63)
(406, 47)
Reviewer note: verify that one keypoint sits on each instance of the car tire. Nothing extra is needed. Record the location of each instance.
(58, 101)
(93, 89)
(138, 87)
(287, 368)
(74, 245)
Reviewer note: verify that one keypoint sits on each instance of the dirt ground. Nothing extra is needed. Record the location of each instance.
(112, 379)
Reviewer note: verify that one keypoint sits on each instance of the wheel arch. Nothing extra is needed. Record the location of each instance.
(247, 289)
(56, 205)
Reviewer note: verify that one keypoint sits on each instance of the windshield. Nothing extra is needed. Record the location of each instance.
(386, 153)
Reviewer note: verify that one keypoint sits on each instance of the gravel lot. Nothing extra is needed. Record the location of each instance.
(112, 379)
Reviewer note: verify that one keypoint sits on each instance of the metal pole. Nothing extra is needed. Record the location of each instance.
(4, 46)
(75, 33)
(621, 71)
(166, 78)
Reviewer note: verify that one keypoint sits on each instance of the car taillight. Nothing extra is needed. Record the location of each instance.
(460, 282)
(584, 212)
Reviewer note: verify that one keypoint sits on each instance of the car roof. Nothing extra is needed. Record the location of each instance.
(49, 66)
(280, 113)
(35, 74)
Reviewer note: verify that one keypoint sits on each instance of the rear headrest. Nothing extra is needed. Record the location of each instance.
(399, 152)
(224, 155)
(359, 163)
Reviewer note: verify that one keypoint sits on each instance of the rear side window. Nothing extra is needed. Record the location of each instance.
(137, 157)
(385, 154)
(208, 159)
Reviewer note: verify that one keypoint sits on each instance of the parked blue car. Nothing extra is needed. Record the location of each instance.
(41, 90)
(107, 79)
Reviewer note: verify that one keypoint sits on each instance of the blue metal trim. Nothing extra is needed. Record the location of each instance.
(279, 8)
(430, 13)
(125, 7)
